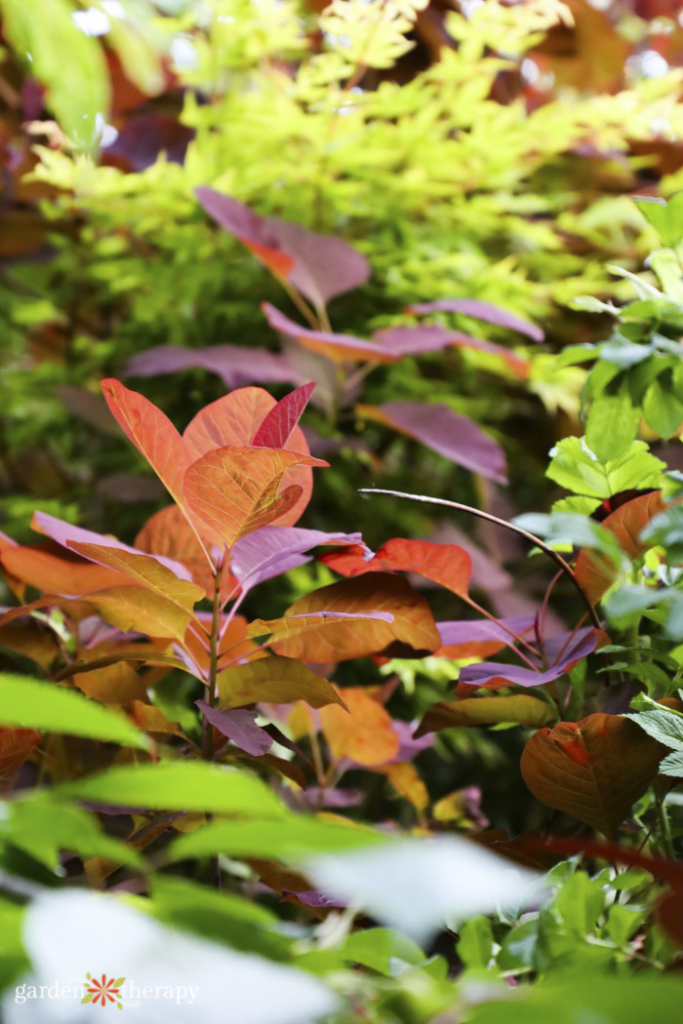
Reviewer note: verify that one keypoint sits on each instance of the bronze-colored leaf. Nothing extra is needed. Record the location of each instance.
(411, 633)
(593, 770)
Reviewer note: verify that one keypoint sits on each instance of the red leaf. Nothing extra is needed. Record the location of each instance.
(446, 564)
(235, 420)
(277, 427)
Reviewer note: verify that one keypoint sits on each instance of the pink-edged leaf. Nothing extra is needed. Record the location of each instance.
(152, 433)
(277, 427)
(234, 364)
(235, 420)
(273, 550)
(64, 533)
(437, 427)
(413, 341)
(562, 652)
(239, 726)
(324, 266)
(485, 311)
(236, 489)
(320, 266)
(338, 347)
(252, 230)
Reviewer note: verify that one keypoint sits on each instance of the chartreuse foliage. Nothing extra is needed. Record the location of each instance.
(337, 121)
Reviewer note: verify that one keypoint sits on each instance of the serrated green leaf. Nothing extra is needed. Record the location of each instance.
(575, 467)
(612, 425)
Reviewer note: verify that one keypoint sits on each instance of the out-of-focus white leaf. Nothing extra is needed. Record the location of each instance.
(67, 934)
(415, 885)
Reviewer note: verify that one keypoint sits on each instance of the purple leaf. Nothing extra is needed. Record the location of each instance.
(273, 550)
(485, 311)
(236, 366)
(482, 631)
(278, 425)
(239, 726)
(409, 746)
(320, 266)
(444, 431)
(340, 347)
(567, 653)
(313, 898)
(62, 533)
(409, 341)
(141, 138)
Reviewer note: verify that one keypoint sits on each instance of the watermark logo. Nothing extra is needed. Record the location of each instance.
(103, 990)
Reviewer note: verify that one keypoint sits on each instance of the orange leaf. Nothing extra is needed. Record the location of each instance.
(152, 433)
(152, 719)
(16, 746)
(413, 628)
(144, 570)
(593, 770)
(595, 572)
(235, 489)
(168, 533)
(364, 733)
(58, 574)
(135, 609)
(112, 684)
(235, 419)
(446, 564)
(33, 642)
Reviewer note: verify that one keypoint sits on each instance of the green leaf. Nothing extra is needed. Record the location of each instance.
(668, 270)
(586, 997)
(612, 424)
(664, 727)
(288, 839)
(573, 354)
(665, 217)
(179, 786)
(575, 467)
(30, 704)
(662, 408)
(382, 950)
(627, 603)
(43, 33)
(42, 827)
(571, 528)
(672, 764)
(87, 998)
(475, 946)
(622, 922)
(224, 917)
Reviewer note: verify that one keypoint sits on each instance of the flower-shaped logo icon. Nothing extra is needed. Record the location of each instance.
(103, 991)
